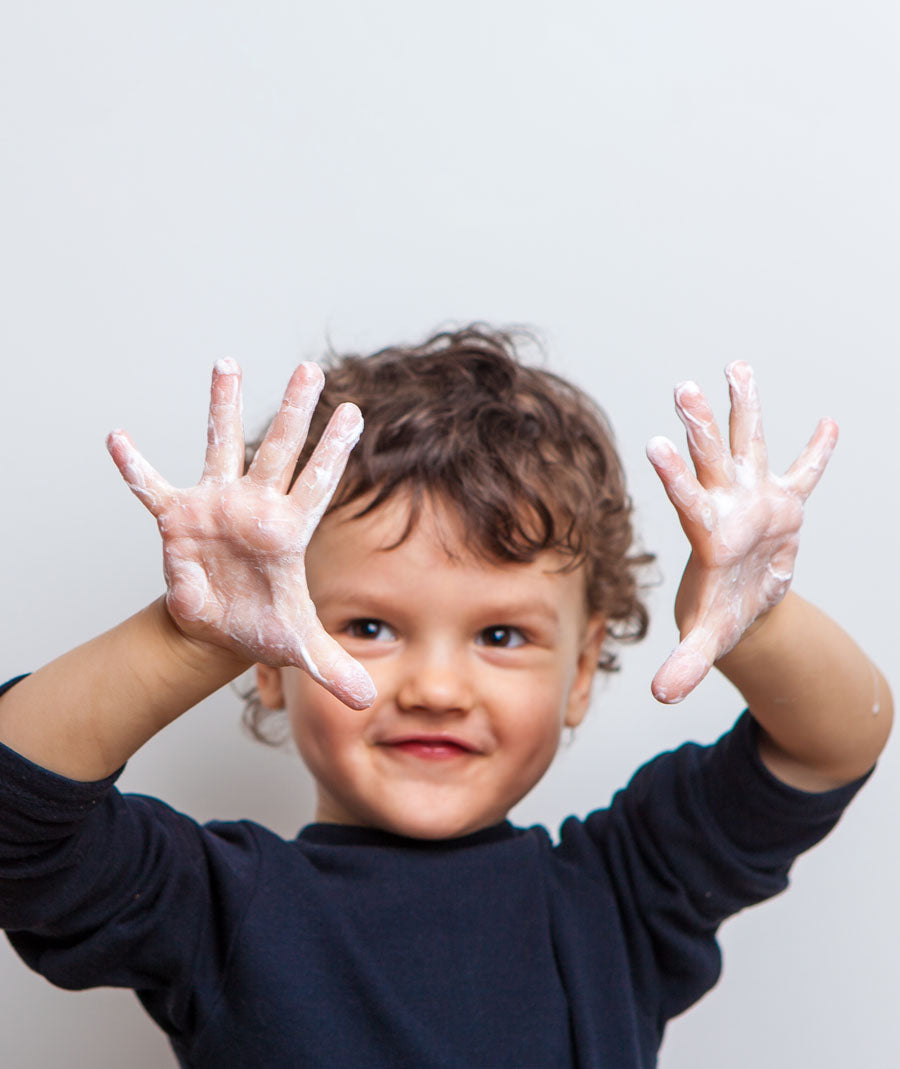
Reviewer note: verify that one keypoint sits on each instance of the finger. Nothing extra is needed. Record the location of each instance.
(711, 459)
(317, 482)
(748, 443)
(331, 665)
(679, 482)
(225, 432)
(188, 587)
(807, 469)
(144, 481)
(686, 666)
(276, 457)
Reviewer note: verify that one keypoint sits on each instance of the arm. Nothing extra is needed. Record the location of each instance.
(824, 709)
(85, 713)
(233, 556)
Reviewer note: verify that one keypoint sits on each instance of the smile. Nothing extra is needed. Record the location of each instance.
(430, 748)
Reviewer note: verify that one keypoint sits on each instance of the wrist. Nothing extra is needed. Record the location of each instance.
(196, 653)
(766, 632)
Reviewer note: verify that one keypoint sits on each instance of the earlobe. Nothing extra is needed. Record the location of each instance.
(577, 710)
(586, 670)
(268, 683)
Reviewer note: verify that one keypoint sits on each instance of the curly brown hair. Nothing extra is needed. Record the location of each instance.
(524, 458)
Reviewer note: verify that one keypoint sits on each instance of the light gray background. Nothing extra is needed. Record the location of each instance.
(659, 187)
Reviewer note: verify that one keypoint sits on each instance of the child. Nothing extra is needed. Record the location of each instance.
(463, 587)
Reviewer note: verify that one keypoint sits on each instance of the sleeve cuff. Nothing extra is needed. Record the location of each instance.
(34, 786)
(754, 806)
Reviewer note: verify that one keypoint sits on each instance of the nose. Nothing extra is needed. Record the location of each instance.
(435, 680)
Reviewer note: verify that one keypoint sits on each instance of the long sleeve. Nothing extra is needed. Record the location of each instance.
(352, 946)
(698, 835)
(100, 888)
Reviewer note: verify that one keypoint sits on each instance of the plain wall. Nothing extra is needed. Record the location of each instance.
(658, 187)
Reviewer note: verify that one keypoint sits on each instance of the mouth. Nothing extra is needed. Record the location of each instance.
(430, 747)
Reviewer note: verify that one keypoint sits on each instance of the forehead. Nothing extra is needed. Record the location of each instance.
(436, 546)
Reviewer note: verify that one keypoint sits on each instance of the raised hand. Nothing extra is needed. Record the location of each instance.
(234, 545)
(741, 520)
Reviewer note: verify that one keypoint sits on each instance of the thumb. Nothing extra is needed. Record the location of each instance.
(329, 664)
(687, 665)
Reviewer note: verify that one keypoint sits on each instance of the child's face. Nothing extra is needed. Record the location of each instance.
(478, 668)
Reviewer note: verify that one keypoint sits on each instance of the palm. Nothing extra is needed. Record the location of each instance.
(234, 545)
(742, 523)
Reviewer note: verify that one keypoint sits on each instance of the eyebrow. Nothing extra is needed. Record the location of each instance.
(511, 609)
(500, 610)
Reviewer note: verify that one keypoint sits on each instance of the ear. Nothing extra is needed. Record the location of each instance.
(585, 670)
(268, 683)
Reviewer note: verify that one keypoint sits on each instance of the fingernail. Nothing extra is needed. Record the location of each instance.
(688, 387)
(350, 425)
(659, 448)
(313, 370)
(738, 367)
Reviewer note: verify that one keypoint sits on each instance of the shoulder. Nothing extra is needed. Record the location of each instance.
(710, 802)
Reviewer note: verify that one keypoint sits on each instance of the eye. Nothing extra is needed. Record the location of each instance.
(370, 629)
(502, 637)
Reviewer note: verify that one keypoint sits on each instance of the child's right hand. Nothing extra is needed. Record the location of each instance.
(234, 545)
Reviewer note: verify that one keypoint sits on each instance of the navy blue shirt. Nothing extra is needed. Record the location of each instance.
(355, 947)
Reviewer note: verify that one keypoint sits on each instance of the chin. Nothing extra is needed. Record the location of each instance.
(435, 826)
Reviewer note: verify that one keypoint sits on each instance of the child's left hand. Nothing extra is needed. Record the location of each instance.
(741, 520)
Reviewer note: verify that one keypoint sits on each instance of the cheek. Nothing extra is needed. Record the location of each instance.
(320, 724)
(534, 716)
